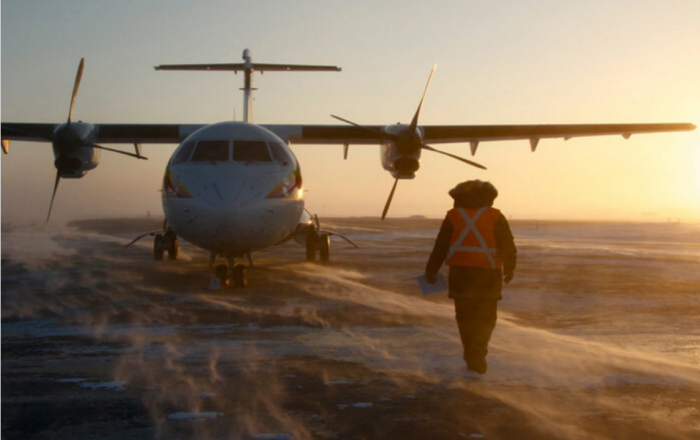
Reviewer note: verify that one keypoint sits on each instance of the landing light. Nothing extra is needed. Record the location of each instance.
(300, 194)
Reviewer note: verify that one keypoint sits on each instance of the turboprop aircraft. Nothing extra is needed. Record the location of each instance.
(233, 188)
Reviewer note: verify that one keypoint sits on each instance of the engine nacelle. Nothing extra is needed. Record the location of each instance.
(401, 155)
(77, 163)
(73, 158)
(400, 165)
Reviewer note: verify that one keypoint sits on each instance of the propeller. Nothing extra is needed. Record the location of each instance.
(76, 85)
(379, 134)
(414, 122)
(113, 150)
(461, 159)
(55, 187)
(391, 196)
(78, 77)
(67, 139)
(408, 140)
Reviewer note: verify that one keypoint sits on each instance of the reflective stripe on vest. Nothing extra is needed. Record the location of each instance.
(473, 250)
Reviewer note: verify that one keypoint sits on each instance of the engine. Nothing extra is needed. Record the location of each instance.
(401, 159)
(77, 163)
(73, 159)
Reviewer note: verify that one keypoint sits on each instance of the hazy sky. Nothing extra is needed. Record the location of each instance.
(499, 62)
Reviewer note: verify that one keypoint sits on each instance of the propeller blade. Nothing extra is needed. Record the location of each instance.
(391, 196)
(461, 159)
(100, 147)
(75, 88)
(55, 187)
(377, 133)
(414, 122)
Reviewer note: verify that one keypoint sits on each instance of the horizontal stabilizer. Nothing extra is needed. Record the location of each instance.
(294, 68)
(236, 67)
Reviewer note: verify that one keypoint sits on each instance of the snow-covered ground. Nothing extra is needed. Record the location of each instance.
(598, 336)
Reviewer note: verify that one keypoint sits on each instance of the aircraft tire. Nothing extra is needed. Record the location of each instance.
(311, 243)
(239, 276)
(324, 247)
(158, 247)
(221, 272)
(174, 249)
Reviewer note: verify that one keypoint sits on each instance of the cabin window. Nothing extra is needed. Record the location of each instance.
(211, 151)
(184, 153)
(281, 154)
(251, 151)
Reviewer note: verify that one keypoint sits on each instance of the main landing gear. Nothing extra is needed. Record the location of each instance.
(318, 242)
(166, 242)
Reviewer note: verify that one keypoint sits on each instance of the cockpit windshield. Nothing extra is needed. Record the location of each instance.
(251, 151)
(281, 154)
(211, 151)
(184, 153)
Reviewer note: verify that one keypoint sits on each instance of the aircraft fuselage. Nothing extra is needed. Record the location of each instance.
(233, 188)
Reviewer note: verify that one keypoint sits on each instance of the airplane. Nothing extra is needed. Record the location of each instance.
(233, 188)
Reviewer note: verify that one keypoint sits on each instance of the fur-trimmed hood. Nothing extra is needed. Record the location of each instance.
(473, 194)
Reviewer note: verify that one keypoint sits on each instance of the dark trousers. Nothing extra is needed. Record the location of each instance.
(476, 319)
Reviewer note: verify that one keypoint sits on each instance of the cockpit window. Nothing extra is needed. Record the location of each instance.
(211, 151)
(251, 151)
(183, 153)
(281, 154)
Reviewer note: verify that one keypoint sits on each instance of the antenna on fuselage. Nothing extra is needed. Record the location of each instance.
(248, 67)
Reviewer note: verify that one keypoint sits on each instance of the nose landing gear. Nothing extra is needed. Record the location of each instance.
(231, 275)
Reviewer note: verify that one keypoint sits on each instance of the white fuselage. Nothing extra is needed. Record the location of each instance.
(233, 188)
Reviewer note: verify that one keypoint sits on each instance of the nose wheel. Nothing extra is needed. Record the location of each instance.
(233, 275)
(239, 276)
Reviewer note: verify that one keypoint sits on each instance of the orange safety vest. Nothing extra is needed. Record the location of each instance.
(473, 241)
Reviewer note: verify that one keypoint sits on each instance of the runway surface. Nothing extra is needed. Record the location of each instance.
(598, 337)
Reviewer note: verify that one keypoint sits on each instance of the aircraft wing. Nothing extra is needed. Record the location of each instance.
(443, 134)
(106, 133)
(325, 134)
(345, 134)
(27, 132)
(145, 133)
(437, 134)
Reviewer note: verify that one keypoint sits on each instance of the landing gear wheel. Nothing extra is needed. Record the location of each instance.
(239, 276)
(174, 249)
(324, 246)
(311, 242)
(158, 248)
(221, 273)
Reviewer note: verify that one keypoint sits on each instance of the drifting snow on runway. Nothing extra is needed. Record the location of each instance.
(597, 338)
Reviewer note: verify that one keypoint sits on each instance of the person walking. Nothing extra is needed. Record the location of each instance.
(476, 242)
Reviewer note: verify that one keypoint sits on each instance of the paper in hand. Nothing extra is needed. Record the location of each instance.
(428, 289)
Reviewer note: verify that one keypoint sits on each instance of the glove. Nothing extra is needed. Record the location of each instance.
(507, 278)
(431, 279)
